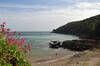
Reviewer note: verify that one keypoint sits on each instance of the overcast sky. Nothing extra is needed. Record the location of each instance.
(45, 15)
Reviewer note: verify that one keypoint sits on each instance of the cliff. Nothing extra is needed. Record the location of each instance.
(89, 27)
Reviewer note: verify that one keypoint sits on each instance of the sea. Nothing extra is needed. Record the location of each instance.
(40, 42)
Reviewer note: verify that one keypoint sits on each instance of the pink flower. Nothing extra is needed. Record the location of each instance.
(17, 42)
(20, 33)
(22, 40)
(26, 51)
(9, 34)
(11, 39)
(8, 29)
(14, 32)
(4, 23)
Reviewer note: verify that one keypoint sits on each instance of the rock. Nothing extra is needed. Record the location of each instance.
(54, 44)
(76, 45)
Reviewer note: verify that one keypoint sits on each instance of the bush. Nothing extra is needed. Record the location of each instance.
(12, 48)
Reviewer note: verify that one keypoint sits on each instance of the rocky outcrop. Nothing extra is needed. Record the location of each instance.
(55, 44)
(76, 45)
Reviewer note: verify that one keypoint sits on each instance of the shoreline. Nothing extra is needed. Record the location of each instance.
(49, 59)
(89, 58)
(56, 59)
(86, 57)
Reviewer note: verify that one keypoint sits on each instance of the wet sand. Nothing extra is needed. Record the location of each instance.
(86, 58)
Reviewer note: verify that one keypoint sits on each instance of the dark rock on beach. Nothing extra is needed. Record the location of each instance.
(54, 44)
(76, 45)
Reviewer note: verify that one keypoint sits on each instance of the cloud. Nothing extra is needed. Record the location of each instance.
(88, 5)
(48, 19)
(45, 20)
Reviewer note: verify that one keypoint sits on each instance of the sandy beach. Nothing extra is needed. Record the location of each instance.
(86, 58)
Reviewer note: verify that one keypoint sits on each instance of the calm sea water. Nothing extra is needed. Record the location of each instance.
(40, 41)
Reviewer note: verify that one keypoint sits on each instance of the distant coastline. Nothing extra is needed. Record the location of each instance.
(88, 31)
(88, 28)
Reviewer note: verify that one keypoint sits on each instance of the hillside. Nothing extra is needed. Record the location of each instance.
(89, 27)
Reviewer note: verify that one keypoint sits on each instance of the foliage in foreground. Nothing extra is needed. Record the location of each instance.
(12, 48)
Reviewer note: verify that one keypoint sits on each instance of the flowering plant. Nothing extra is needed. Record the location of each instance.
(12, 48)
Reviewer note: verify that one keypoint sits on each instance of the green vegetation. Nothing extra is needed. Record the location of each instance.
(10, 56)
(89, 27)
(12, 53)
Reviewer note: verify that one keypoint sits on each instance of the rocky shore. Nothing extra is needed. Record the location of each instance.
(76, 45)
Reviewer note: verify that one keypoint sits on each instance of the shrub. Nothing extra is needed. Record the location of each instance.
(12, 48)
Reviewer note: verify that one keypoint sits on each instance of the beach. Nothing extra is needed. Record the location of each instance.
(85, 58)
(42, 55)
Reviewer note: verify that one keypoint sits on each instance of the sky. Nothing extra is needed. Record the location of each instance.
(45, 15)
